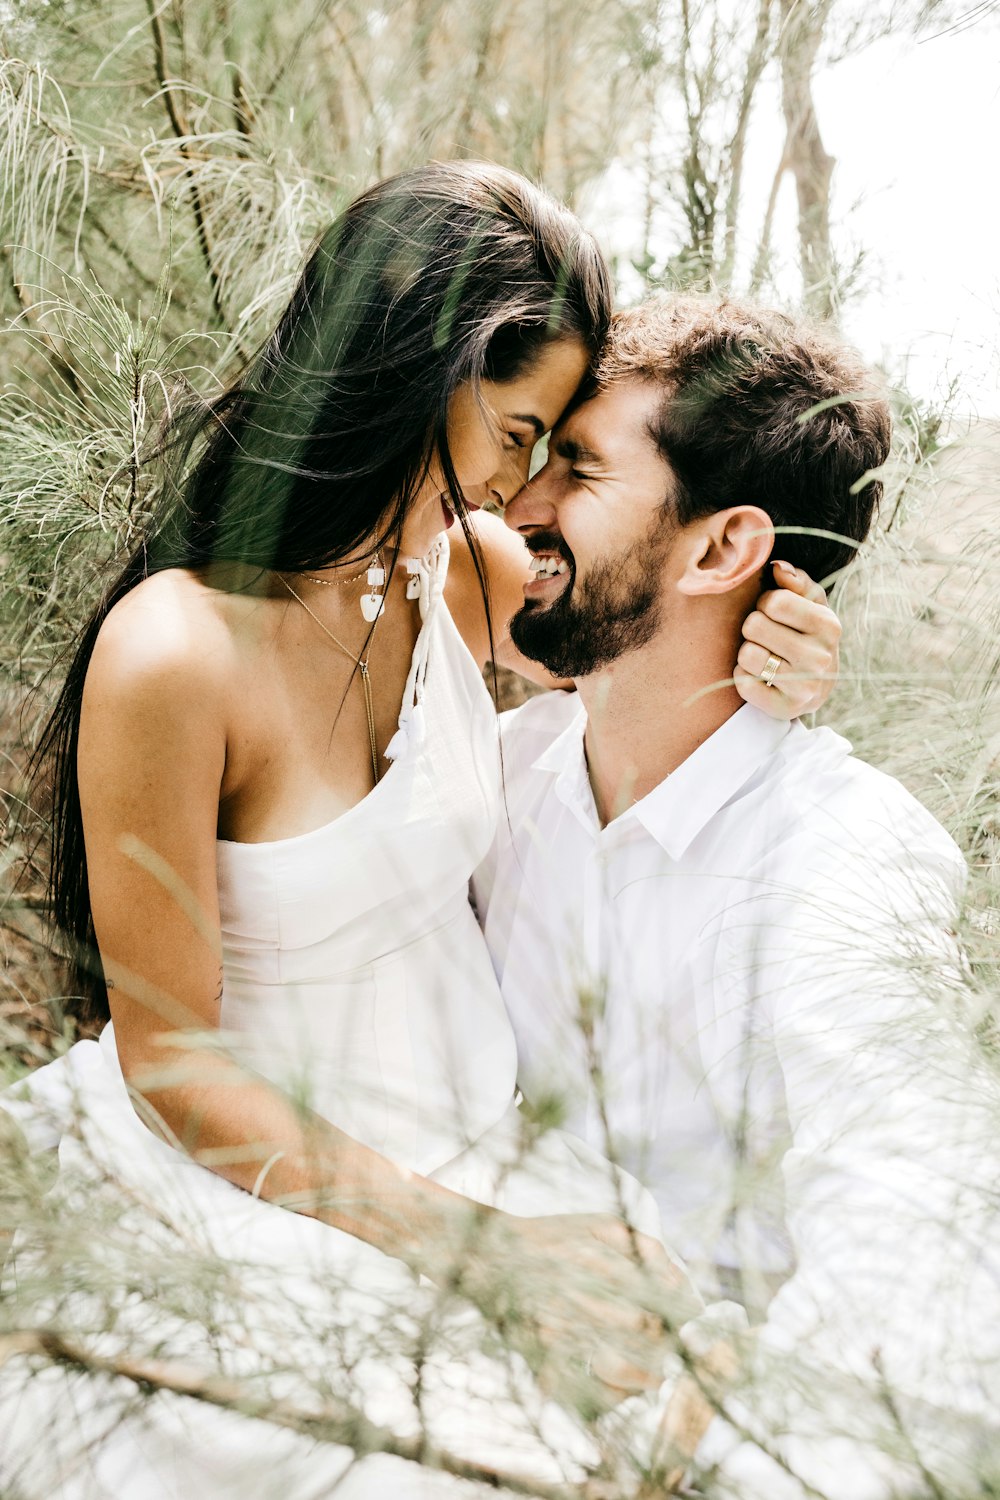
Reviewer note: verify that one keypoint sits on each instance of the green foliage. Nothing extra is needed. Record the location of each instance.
(163, 170)
(920, 691)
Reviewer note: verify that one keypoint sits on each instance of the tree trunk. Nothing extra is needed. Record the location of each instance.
(756, 63)
(805, 156)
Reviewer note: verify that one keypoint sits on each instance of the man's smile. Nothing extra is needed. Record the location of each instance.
(545, 565)
(551, 568)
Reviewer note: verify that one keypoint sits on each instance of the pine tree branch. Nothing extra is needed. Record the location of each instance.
(243, 113)
(117, 248)
(895, 1416)
(324, 10)
(182, 131)
(331, 1422)
(57, 358)
(480, 79)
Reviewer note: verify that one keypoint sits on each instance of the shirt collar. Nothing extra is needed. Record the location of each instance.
(676, 810)
(566, 759)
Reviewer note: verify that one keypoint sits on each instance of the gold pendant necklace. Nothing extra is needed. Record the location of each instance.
(335, 583)
(361, 662)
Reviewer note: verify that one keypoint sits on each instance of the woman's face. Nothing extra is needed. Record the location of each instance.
(491, 434)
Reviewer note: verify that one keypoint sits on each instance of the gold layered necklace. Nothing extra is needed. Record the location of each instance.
(337, 583)
(361, 662)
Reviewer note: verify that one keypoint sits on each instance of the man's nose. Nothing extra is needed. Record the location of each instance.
(532, 506)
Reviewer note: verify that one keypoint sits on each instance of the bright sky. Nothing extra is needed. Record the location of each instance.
(915, 129)
(916, 133)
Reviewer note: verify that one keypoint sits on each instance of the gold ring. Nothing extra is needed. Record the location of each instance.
(770, 671)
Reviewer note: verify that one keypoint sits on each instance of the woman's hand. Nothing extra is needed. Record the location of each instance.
(584, 1298)
(794, 626)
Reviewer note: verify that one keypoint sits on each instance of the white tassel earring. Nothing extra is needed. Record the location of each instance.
(413, 579)
(373, 602)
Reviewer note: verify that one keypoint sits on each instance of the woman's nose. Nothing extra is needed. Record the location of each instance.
(512, 477)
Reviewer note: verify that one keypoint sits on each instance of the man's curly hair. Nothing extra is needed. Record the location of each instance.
(759, 409)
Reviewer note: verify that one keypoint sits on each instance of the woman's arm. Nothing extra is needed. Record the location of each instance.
(152, 766)
(793, 621)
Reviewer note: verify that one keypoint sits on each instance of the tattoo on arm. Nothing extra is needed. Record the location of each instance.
(110, 985)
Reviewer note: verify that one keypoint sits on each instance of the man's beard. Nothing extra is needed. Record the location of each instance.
(616, 608)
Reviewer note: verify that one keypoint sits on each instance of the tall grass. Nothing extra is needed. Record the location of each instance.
(920, 692)
(154, 211)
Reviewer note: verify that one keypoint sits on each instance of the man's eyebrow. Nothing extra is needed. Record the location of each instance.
(577, 453)
(529, 421)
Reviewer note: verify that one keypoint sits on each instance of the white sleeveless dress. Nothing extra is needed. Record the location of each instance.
(357, 981)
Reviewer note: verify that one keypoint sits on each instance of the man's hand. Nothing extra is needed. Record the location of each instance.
(688, 1416)
(589, 1302)
(794, 626)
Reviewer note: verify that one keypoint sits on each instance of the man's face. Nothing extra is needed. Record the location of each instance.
(595, 522)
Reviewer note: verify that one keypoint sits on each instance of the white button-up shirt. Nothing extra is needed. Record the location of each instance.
(744, 989)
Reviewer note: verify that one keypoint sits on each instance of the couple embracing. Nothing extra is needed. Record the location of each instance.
(686, 1125)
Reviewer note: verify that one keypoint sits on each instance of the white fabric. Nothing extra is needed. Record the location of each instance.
(355, 977)
(353, 967)
(762, 950)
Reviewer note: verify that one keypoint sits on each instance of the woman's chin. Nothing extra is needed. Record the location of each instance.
(420, 537)
(450, 516)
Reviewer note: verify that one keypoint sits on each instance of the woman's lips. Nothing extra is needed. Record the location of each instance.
(449, 515)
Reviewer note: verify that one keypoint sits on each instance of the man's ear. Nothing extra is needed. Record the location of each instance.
(726, 549)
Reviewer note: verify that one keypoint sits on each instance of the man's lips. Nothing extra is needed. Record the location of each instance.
(552, 572)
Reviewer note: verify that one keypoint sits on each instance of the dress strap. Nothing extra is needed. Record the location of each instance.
(431, 570)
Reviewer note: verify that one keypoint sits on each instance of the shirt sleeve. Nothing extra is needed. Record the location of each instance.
(878, 1360)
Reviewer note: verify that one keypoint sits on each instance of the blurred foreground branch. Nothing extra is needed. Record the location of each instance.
(331, 1422)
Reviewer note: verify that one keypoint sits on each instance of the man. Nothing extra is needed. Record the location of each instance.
(725, 944)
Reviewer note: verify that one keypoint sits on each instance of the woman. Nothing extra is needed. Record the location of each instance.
(275, 768)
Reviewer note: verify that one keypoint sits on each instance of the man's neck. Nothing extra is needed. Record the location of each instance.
(651, 709)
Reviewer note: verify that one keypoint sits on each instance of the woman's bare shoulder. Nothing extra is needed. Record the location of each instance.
(502, 548)
(159, 700)
(505, 561)
(170, 633)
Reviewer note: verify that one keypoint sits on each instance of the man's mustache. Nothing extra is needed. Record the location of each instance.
(548, 541)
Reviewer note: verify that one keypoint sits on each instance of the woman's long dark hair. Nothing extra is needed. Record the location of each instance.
(454, 272)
